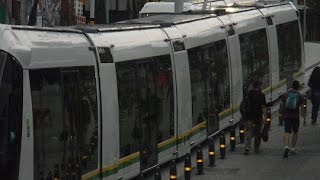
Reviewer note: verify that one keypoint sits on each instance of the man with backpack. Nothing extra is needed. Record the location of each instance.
(292, 100)
(252, 108)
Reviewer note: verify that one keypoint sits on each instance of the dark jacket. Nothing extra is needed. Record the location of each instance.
(257, 99)
(314, 79)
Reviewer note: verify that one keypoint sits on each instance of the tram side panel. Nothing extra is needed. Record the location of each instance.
(274, 61)
(26, 158)
(167, 85)
(236, 71)
(63, 96)
(183, 124)
(183, 106)
(253, 44)
(209, 76)
(110, 114)
(145, 98)
(290, 52)
(16, 118)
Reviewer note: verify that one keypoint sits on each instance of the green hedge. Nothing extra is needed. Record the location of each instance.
(2, 15)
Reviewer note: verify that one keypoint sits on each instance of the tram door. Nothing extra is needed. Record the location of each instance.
(148, 115)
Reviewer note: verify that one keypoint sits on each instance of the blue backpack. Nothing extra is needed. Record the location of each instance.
(292, 101)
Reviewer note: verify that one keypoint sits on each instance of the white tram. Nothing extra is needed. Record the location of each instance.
(111, 102)
(164, 7)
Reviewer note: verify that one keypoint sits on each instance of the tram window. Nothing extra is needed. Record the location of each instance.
(289, 45)
(219, 74)
(10, 116)
(197, 85)
(145, 91)
(64, 105)
(254, 58)
(210, 86)
(129, 106)
(105, 55)
(164, 91)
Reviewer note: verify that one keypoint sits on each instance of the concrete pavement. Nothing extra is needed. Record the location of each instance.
(269, 164)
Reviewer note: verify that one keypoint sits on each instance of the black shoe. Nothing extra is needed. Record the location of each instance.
(286, 152)
(304, 123)
(246, 151)
(256, 150)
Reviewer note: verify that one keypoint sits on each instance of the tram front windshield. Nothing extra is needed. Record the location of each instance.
(10, 116)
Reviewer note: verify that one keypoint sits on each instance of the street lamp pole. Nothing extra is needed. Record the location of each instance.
(92, 8)
(107, 11)
(178, 6)
(204, 7)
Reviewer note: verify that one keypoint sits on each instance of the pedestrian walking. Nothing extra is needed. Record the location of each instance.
(292, 100)
(315, 93)
(253, 115)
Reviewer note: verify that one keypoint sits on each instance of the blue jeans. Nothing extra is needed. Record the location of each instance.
(315, 100)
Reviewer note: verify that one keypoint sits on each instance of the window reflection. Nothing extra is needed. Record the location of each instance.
(145, 93)
(210, 84)
(65, 122)
(289, 45)
(254, 58)
(10, 116)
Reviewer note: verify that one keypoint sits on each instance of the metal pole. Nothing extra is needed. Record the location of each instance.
(77, 7)
(107, 11)
(92, 8)
(178, 6)
(23, 15)
(305, 20)
(204, 7)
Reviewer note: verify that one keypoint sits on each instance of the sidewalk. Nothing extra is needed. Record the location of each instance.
(269, 164)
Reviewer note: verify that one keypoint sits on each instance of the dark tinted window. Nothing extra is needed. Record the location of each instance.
(10, 116)
(289, 45)
(145, 90)
(64, 105)
(210, 86)
(254, 58)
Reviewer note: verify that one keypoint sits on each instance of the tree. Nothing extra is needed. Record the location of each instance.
(2, 11)
(33, 14)
(16, 12)
(67, 15)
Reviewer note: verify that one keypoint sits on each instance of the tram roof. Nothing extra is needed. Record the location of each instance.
(38, 47)
(156, 21)
(168, 19)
